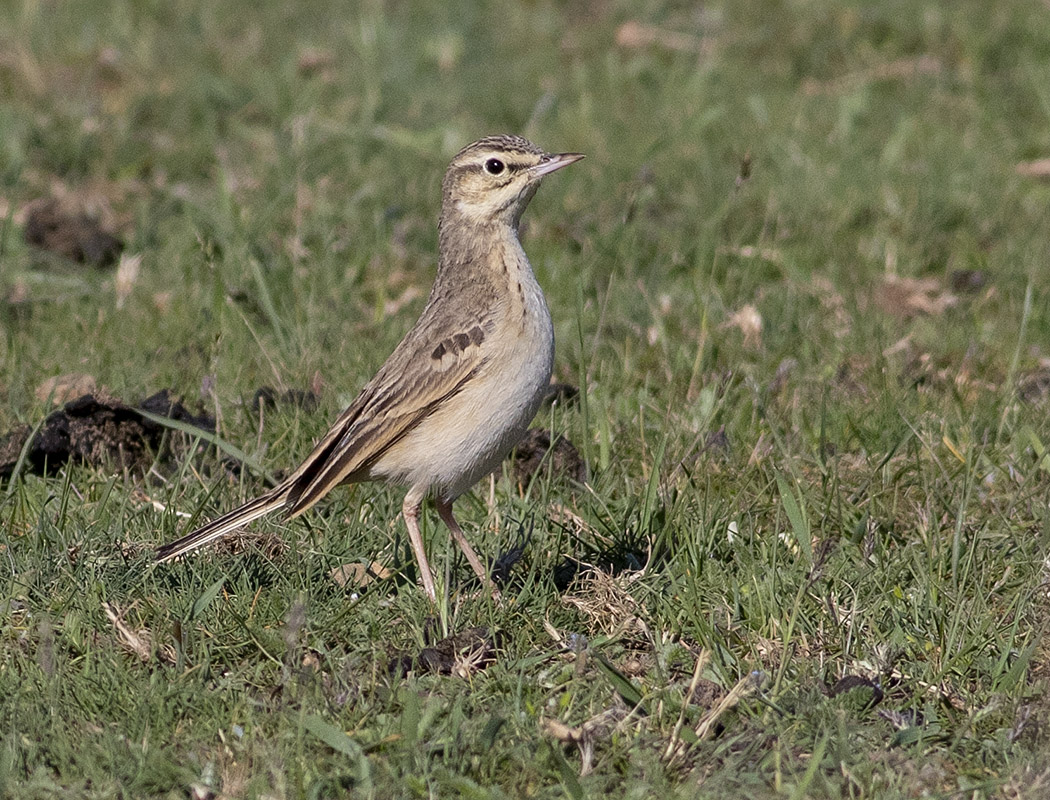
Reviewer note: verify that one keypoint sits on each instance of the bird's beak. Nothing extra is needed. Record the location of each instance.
(555, 162)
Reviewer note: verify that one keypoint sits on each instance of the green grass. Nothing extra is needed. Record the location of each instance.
(877, 507)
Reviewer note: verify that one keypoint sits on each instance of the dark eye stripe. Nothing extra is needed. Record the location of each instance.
(510, 169)
(508, 165)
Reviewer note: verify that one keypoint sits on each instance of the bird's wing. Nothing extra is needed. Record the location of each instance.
(413, 382)
(416, 379)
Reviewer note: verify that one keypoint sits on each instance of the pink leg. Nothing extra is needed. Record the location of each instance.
(410, 509)
(444, 509)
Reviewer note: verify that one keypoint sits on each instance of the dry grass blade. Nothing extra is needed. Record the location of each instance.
(674, 745)
(140, 496)
(634, 34)
(749, 322)
(127, 276)
(584, 737)
(910, 297)
(603, 599)
(359, 574)
(744, 687)
(138, 643)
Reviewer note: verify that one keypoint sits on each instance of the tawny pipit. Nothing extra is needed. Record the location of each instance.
(460, 389)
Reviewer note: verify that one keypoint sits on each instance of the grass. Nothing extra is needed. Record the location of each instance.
(856, 488)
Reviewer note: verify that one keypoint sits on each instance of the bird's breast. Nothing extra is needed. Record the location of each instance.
(466, 436)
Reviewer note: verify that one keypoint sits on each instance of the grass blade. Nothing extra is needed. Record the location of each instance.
(621, 683)
(206, 599)
(213, 439)
(796, 515)
(341, 742)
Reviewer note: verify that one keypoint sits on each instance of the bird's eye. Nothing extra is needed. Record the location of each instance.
(494, 166)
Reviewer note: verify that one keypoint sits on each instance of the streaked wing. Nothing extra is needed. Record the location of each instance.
(407, 388)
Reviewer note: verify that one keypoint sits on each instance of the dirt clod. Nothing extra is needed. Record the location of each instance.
(95, 429)
(541, 450)
(460, 654)
(266, 397)
(967, 281)
(559, 394)
(71, 234)
(867, 692)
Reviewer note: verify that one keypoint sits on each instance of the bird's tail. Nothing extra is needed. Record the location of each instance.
(227, 523)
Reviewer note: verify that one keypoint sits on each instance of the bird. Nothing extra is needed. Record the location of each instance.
(461, 388)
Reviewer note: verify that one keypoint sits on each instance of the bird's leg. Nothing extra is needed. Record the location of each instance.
(410, 509)
(444, 508)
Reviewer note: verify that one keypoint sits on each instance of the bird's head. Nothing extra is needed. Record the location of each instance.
(493, 179)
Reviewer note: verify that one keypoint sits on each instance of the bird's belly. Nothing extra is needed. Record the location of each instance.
(467, 436)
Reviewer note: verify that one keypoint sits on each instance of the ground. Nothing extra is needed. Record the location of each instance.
(793, 537)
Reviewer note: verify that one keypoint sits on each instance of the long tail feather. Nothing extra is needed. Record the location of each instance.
(227, 523)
